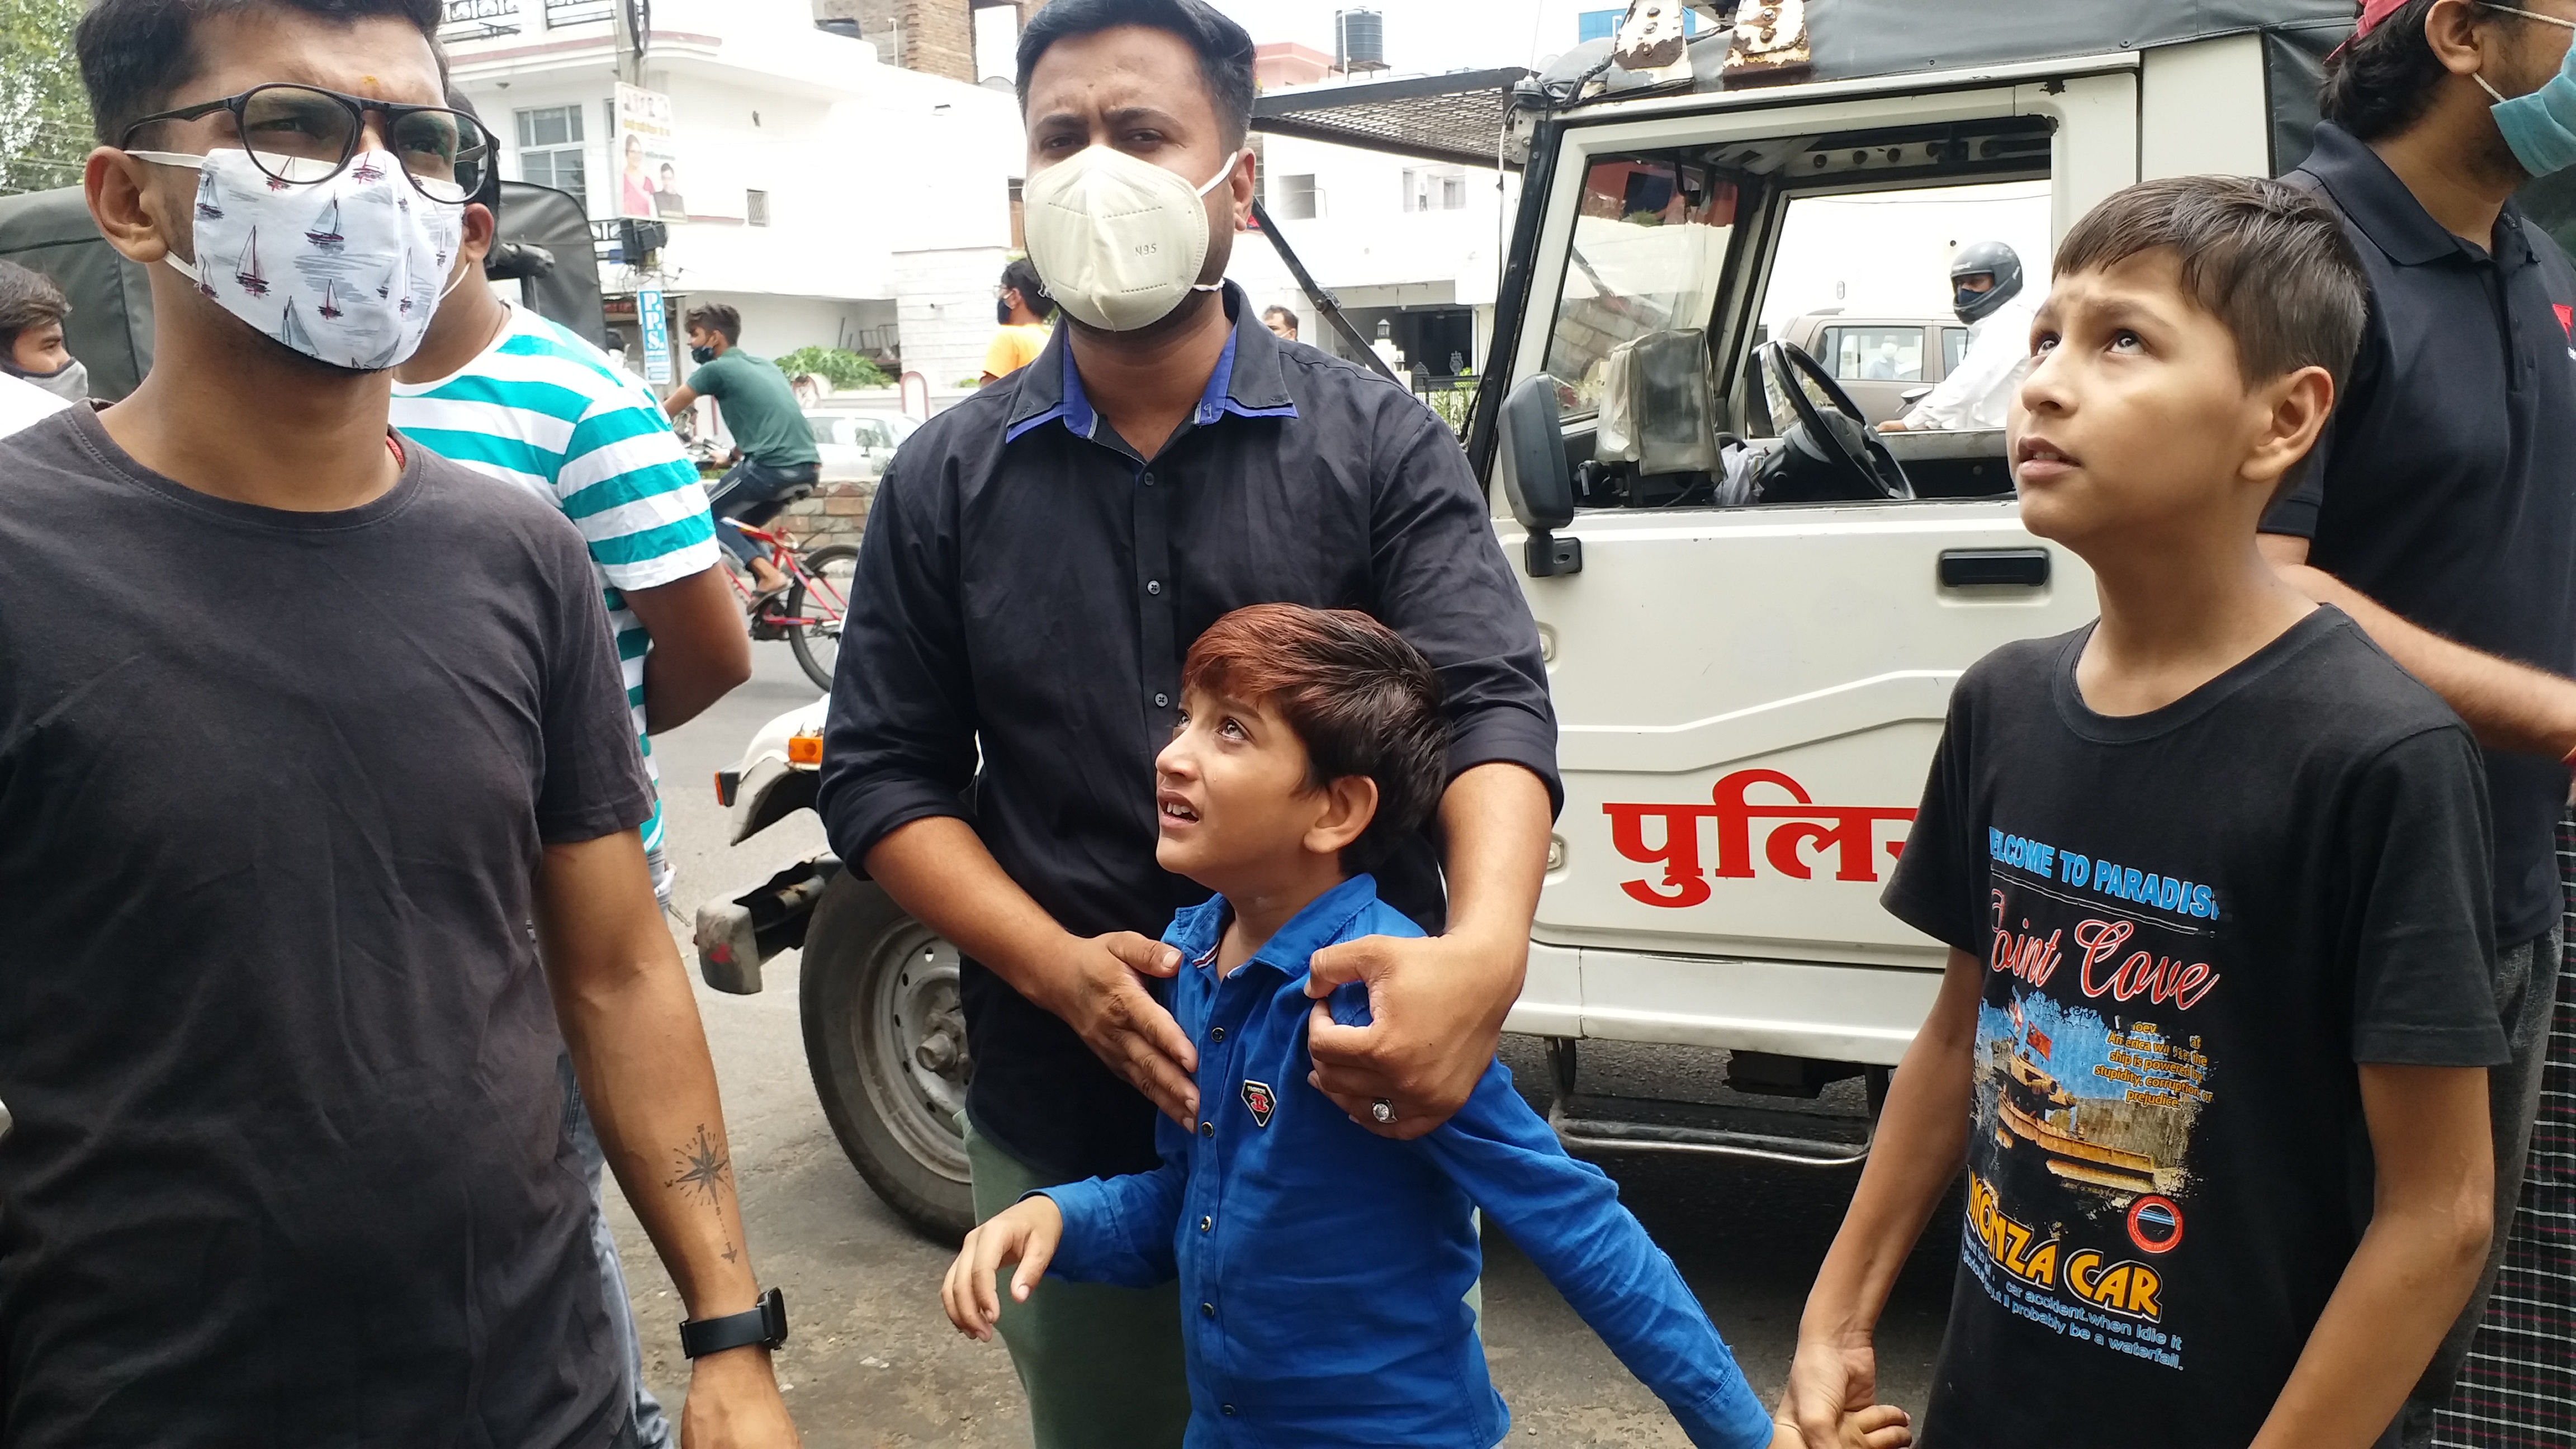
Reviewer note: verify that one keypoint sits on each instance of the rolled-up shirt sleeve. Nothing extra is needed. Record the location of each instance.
(899, 739)
(1443, 583)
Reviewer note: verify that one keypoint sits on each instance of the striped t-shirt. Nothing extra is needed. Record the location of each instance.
(542, 408)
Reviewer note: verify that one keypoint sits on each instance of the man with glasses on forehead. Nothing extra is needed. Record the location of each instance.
(317, 852)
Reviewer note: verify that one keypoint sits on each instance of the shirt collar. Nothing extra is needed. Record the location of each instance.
(1247, 381)
(1198, 930)
(2388, 213)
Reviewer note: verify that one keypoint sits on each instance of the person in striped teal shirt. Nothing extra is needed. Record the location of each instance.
(508, 393)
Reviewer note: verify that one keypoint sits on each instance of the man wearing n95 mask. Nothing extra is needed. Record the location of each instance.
(1040, 559)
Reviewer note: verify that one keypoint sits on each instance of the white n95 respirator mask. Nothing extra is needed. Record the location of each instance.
(345, 270)
(1119, 242)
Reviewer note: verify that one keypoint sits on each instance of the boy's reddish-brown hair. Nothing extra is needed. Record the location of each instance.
(1361, 699)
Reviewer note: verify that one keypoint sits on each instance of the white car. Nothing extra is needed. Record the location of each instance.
(854, 446)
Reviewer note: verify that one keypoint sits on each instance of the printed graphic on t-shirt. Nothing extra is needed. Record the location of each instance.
(2089, 1080)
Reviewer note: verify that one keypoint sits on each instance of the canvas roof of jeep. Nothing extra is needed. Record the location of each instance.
(1461, 117)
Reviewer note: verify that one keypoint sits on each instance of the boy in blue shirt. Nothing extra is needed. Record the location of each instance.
(1329, 1266)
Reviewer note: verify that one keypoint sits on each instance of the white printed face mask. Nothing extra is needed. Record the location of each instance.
(1118, 241)
(345, 270)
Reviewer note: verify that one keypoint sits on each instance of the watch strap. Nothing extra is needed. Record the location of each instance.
(764, 1323)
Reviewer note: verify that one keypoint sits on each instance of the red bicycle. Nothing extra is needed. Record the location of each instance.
(808, 612)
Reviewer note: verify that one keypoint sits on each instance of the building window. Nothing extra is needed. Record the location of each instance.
(1299, 198)
(1435, 188)
(550, 149)
(755, 207)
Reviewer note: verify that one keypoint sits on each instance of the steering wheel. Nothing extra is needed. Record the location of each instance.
(1824, 457)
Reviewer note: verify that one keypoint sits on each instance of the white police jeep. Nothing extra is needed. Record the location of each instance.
(1752, 607)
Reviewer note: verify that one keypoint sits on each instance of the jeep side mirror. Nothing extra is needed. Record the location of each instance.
(1539, 483)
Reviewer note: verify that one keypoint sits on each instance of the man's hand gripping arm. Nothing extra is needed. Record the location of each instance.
(1436, 1004)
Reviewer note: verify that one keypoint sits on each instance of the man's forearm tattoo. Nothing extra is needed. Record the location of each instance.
(705, 1171)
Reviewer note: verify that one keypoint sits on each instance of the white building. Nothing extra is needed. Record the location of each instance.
(1411, 248)
(832, 199)
(1414, 245)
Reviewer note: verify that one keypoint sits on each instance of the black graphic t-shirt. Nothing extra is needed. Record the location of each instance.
(2195, 922)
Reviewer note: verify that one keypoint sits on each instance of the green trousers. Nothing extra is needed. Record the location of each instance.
(1101, 1366)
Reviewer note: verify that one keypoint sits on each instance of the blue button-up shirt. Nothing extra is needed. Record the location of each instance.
(1324, 1269)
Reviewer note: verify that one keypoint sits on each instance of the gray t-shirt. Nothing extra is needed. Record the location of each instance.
(289, 1164)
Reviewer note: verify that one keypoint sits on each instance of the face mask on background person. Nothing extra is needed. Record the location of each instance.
(2540, 127)
(70, 382)
(1118, 241)
(345, 270)
(702, 355)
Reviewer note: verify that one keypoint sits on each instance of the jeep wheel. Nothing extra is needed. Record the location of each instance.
(887, 1045)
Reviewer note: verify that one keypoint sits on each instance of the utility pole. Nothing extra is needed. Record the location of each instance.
(634, 20)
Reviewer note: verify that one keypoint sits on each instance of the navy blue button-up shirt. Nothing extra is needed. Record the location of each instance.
(1323, 1269)
(1027, 590)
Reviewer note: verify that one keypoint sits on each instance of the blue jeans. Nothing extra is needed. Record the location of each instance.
(643, 1426)
(754, 493)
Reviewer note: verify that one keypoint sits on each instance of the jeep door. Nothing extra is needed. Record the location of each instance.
(1749, 696)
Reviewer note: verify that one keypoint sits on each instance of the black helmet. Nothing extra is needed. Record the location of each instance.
(1991, 258)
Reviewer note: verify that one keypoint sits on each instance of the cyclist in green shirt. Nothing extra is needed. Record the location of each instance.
(773, 447)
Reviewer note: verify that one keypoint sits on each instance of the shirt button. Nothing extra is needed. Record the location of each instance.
(1149, 480)
(1207, 1310)
(1162, 700)
(1153, 586)
(1206, 1223)
(1207, 1129)
(1217, 1034)
(1229, 1411)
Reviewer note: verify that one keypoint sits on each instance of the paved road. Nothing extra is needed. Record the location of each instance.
(873, 1362)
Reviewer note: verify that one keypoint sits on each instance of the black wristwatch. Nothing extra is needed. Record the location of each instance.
(764, 1323)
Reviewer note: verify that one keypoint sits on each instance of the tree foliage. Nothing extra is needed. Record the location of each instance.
(44, 114)
(840, 367)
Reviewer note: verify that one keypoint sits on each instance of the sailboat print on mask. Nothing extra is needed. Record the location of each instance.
(246, 271)
(207, 210)
(325, 231)
(292, 333)
(330, 300)
(366, 170)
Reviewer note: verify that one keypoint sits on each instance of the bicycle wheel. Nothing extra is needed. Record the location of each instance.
(815, 604)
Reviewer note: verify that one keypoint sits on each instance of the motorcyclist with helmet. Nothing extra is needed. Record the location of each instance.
(1986, 291)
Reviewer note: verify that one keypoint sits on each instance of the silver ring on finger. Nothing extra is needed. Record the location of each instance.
(1382, 1110)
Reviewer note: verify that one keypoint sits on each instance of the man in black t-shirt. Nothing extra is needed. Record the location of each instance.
(2439, 506)
(316, 852)
(2213, 1034)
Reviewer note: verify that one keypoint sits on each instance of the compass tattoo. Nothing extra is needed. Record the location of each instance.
(704, 1170)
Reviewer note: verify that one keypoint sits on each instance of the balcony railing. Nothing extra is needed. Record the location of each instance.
(560, 13)
(479, 19)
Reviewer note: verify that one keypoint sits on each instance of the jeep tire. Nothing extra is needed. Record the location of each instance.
(886, 1041)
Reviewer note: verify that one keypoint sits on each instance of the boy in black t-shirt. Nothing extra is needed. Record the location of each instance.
(2214, 874)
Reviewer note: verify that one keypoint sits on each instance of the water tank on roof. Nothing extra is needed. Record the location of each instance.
(1359, 40)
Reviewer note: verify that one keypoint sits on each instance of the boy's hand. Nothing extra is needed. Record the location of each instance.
(1880, 1426)
(1025, 1233)
(1832, 1384)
